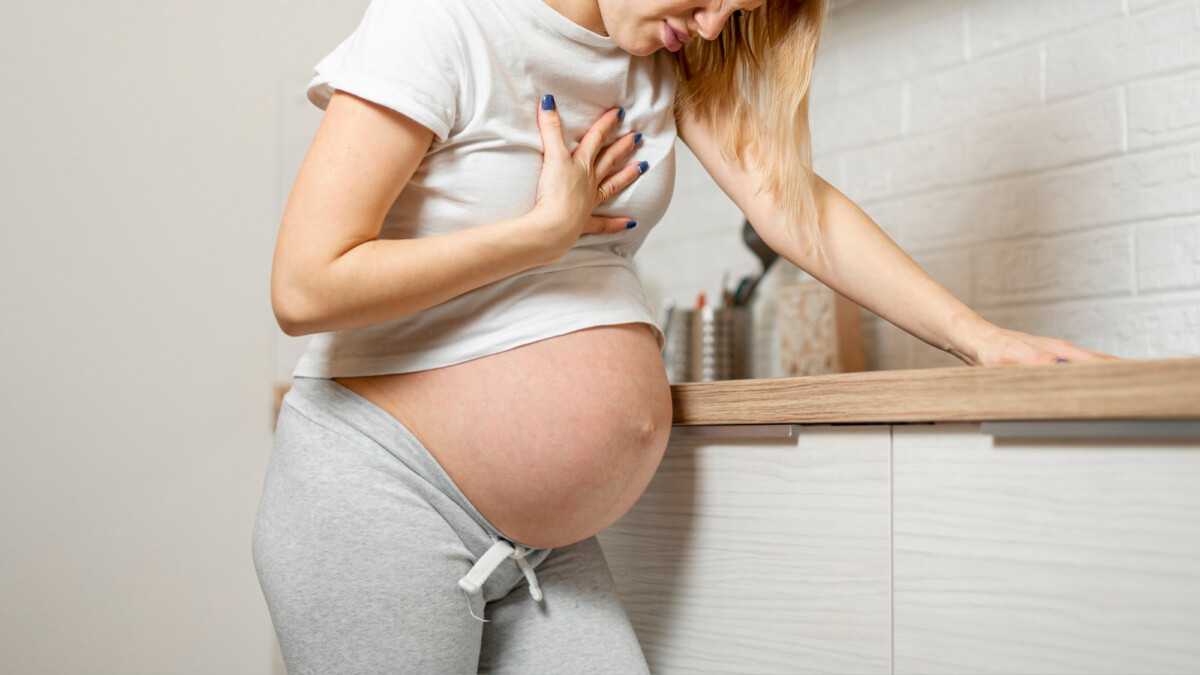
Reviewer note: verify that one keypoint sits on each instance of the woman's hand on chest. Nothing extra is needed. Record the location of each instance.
(573, 184)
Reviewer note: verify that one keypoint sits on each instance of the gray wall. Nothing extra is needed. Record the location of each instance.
(141, 180)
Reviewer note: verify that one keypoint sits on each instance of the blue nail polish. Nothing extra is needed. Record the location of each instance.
(643, 167)
(631, 224)
(1062, 361)
(620, 114)
(637, 139)
(548, 102)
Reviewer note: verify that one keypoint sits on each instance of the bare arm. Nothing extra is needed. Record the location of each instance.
(865, 265)
(331, 273)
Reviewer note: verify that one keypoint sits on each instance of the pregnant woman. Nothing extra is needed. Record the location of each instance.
(484, 391)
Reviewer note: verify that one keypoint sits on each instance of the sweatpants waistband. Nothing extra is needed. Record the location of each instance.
(345, 412)
(329, 403)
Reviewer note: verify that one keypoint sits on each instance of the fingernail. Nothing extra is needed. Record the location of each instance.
(1062, 361)
(620, 114)
(548, 102)
(637, 139)
(631, 224)
(643, 167)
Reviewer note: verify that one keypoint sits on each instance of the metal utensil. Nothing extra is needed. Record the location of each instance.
(726, 294)
(739, 296)
(677, 332)
(765, 254)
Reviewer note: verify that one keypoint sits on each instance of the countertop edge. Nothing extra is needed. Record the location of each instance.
(1159, 389)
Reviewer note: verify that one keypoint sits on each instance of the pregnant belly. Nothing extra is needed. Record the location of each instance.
(552, 441)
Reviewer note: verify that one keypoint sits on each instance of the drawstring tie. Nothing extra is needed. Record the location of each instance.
(489, 561)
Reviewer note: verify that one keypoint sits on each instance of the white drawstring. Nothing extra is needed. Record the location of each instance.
(534, 589)
(473, 582)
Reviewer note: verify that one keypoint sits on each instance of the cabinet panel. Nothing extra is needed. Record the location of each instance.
(762, 557)
(1046, 557)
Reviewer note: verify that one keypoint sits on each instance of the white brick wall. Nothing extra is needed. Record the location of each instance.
(1039, 158)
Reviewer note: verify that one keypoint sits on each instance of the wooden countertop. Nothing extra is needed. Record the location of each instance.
(1161, 389)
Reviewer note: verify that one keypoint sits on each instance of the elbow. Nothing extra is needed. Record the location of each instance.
(290, 321)
(294, 311)
(290, 327)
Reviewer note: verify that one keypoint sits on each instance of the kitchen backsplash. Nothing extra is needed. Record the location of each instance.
(1039, 158)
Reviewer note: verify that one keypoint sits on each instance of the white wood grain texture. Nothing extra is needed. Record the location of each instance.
(762, 557)
(1044, 557)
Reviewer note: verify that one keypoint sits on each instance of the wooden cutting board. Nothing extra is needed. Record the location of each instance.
(820, 331)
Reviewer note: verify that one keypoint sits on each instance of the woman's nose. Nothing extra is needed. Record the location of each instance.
(709, 23)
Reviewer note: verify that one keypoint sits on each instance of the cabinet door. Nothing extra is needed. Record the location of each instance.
(1044, 557)
(762, 557)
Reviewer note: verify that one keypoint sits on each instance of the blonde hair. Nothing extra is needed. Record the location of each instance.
(751, 85)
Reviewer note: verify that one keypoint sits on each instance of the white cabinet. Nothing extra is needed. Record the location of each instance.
(977, 555)
(1033, 557)
(762, 557)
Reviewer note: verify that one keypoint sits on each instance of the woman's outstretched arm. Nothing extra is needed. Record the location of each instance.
(330, 271)
(865, 265)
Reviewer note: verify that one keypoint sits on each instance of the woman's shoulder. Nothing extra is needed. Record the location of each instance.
(466, 21)
(413, 12)
(455, 10)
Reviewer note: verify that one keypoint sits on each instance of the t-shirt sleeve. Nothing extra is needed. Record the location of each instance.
(404, 55)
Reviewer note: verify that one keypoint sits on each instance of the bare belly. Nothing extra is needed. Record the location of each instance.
(552, 441)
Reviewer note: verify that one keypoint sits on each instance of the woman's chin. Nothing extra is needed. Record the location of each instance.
(644, 50)
(639, 47)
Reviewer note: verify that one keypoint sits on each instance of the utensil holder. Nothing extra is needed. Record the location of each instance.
(719, 344)
(677, 352)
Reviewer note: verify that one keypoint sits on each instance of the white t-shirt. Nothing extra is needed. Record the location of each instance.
(474, 72)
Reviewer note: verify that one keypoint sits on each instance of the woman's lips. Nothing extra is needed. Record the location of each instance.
(673, 40)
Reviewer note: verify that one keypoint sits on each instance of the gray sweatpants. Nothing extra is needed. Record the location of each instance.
(367, 554)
